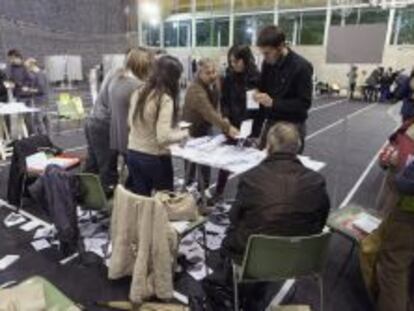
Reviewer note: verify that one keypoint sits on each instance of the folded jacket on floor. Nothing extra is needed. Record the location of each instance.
(143, 245)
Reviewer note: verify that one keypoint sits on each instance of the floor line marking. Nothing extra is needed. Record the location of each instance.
(321, 107)
(349, 116)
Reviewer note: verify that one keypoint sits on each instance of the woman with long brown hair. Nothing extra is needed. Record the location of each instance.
(152, 120)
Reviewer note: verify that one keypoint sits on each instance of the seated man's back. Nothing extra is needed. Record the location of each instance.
(279, 197)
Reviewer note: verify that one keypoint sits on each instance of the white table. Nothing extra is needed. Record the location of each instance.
(213, 152)
(18, 129)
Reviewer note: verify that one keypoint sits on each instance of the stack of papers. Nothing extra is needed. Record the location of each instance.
(367, 222)
(39, 161)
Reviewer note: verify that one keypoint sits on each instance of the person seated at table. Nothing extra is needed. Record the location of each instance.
(279, 197)
(241, 76)
(201, 110)
(40, 96)
(152, 119)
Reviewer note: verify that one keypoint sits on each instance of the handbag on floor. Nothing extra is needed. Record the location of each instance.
(181, 206)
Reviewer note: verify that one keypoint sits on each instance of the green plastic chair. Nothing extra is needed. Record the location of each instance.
(272, 259)
(93, 196)
(55, 299)
(70, 109)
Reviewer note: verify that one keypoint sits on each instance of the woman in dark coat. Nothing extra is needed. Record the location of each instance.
(241, 76)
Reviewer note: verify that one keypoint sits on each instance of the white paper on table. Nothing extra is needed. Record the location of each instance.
(7, 261)
(29, 226)
(251, 103)
(40, 244)
(246, 129)
(180, 226)
(367, 222)
(14, 219)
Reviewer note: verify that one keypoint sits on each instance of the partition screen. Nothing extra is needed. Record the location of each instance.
(356, 44)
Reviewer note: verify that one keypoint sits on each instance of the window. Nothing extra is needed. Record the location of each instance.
(306, 28)
(213, 32)
(246, 28)
(404, 27)
(177, 33)
(312, 28)
(151, 34)
(357, 16)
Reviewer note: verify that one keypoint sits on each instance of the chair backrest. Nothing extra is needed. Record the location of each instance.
(78, 106)
(64, 97)
(269, 258)
(65, 109)
(92, 194)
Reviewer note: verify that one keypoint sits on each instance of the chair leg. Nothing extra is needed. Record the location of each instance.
(320, 281)
(235, 290)
(23, 187)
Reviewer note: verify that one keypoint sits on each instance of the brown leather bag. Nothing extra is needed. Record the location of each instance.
(181, 206)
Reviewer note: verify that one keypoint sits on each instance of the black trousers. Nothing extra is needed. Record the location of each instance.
(190, 169)
(149, 172)
(101, 160)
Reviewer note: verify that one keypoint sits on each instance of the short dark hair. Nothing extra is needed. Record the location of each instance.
(271, 36)
(14, 53)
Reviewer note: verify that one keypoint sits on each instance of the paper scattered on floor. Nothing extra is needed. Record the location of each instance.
(367, 222)
(199, 272)
(14, 219)
(42, 233)
(40, 244)
(7, 261)
(96, 245)
(31, 225)
(180, 226)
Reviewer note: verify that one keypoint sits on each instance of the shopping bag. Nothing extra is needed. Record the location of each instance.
(181, 206)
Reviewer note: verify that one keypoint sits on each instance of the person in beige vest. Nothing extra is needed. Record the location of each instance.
(152, 122)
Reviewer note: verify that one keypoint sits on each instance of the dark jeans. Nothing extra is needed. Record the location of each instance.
(149, 172)
(352, 87)
(269, 123)
(101, 160)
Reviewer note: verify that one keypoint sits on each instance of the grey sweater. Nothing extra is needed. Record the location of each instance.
(120, 89)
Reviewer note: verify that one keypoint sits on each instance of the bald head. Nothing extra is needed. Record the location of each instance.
(207, 71)
(283, 137)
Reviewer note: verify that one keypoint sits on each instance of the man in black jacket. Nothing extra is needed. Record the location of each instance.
(279, 197)
(285, 89)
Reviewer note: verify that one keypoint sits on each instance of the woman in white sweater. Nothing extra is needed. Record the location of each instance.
(152, 121)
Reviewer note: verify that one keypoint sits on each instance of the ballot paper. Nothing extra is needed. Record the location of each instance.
(42, 233)
(184, 124)
(39, 245)
(251, 103)
(37, 161)
(199, 272)
(31, 225)
(7, 261)
(180, 226)
(14, 219)
(245, 129)
(366, 222)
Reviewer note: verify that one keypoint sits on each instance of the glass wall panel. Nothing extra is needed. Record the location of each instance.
(246, 28)
(298, 4)
(213, 32)
(177, 33)
(176, 6)
(357, 16)
(311, 28)
(404, 26)
(151, 34)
